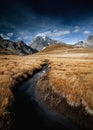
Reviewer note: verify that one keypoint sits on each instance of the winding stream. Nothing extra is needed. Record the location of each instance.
(31, 113)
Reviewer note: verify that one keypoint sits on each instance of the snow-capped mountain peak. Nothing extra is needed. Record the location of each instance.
(40, 42)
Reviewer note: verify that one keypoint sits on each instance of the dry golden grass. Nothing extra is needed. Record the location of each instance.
(60, 48)
(74, 78)
(70, 77)
(68, 86)
(13, 70)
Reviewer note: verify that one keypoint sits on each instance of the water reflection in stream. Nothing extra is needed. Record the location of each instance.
(31, 114)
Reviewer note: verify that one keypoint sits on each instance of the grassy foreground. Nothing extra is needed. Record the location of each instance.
(67, 88)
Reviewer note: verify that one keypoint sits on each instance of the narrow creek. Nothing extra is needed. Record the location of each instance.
(31, 113)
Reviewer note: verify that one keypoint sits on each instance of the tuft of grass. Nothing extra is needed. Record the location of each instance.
(13, 70)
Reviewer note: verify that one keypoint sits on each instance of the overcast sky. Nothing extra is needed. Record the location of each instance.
(65, 20)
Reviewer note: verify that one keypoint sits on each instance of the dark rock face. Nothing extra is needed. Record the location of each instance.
(41, 42)
(1, 38)
(80, 44)
(90, 40)
(87, 43)
(10, 47)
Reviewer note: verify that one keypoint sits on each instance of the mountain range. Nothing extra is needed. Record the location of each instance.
(87, 43)
(39, 43)
(19, 48)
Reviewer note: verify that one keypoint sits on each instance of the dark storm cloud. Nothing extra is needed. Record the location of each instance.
(66, 8)
(27, 18)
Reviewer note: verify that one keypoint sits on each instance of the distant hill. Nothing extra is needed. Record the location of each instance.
(87, 43)
(57, 47)
(40, 42)
(19, 48)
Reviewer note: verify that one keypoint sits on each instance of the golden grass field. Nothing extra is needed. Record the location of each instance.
(70, 81)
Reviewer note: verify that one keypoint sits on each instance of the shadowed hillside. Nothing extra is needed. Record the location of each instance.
(15, 48)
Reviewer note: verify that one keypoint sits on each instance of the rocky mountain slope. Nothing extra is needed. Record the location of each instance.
(10, 47)
(86, 43)
(41, 42)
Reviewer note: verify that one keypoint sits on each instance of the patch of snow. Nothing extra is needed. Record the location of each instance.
(43, 48)
(44, 37)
